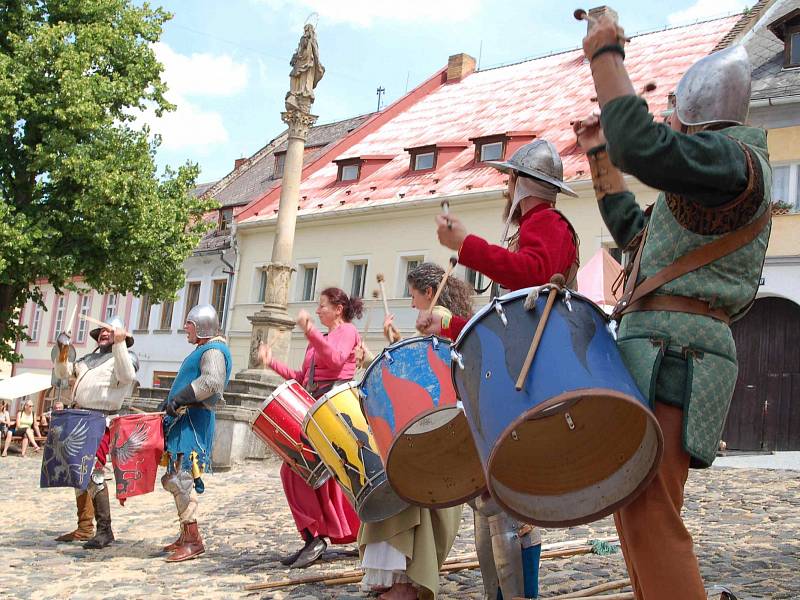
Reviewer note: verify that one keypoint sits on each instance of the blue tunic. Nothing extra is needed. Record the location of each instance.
(193, 431)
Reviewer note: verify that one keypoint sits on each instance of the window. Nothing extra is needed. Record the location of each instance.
(225, 218)
(280, 161)
(58, 321)
(111, 307)
(85, 304)
(144, 312)
(786, 186)
(166, 315)
(410, 263)
(218, 291)
(163, 379)
(308, 281)
(793, 51)
(36, 322)
(262, 285)
(490, 151)
(424, 161)
(359, 279)
(476, 280)
(192, 298)
(348, 172)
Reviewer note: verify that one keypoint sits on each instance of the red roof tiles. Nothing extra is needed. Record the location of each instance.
(540, 95)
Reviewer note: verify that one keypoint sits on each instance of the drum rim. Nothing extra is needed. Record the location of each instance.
(510, 296)
(274, 396)
(568, 398)
(334, 391)
(400, 344)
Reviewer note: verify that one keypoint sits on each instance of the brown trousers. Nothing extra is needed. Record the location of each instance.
(655, 543)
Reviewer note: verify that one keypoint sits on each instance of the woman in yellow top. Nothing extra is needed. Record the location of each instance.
(403, 554)
(25, 426)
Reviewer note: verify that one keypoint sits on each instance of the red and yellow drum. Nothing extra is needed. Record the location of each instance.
(279, 423)
(338, 430)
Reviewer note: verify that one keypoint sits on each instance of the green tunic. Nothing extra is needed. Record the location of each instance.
(684, 359)
(424, 535)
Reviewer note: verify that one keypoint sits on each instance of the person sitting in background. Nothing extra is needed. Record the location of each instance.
(25, 427)
(5, 420)
(45, 420)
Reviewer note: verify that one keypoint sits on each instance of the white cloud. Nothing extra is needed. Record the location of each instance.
(706, 9)
(363, 13)
(196, 76)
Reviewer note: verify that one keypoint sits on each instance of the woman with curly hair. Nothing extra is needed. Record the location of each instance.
(403, 554)
(330, 360)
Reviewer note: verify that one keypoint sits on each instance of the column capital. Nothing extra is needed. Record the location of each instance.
(299, 123)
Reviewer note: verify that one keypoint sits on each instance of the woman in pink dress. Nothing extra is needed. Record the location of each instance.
(330, 360)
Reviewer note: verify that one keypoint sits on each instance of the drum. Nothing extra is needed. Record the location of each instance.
(279, 423)
(69, 451)
(338, 430)
(421, 432)
(137, 443)
(578, 440)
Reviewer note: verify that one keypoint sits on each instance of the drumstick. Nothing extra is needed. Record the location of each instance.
(446, 212)
(443, 282)
(105, 325)
(557, 282)
(392, 329)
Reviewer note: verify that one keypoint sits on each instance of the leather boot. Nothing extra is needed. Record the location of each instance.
(177, 543)
(102, 511)
(85, 528)
(192, 544)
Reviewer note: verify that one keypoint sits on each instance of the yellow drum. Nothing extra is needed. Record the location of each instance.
(337, 429)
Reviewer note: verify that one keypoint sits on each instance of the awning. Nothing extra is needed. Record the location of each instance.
(597, 277)
(23, 385)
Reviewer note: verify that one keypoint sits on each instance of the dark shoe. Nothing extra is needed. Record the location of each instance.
(177, 543)
(192, 544)
(310, 553)
(288, 560)
(102, 513)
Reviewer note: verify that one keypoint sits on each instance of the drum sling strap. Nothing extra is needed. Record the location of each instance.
(637, 297)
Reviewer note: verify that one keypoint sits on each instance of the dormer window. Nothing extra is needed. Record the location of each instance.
(491, 151)
(348, 172)
(787, 30)
(225, 218)
(498, 146)
(280, 161)
(424, 161)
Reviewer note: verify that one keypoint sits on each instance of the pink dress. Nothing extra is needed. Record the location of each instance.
(325, 512)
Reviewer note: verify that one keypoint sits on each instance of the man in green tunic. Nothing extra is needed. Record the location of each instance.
(696, 259)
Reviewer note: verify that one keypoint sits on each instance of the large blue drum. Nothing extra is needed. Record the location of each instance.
(578, 441)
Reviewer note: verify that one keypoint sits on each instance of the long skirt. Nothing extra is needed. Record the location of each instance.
(423, 536)
(325, 512)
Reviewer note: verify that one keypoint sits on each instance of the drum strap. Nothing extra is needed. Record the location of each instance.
(702, 255)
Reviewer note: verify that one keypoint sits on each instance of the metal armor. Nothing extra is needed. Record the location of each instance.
(539, 160)
(205, 319)
(116, 322)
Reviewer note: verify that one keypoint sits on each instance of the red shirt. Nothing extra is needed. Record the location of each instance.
(546, 247)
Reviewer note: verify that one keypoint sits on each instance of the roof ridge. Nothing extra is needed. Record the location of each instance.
(637, 34)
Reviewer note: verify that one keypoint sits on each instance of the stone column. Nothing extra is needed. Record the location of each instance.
(272, 324)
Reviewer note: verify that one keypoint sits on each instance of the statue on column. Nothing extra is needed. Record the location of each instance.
(307, 70)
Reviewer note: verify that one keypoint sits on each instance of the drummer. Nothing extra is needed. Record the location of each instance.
(405, 552)
(544, 243)
(330, 360)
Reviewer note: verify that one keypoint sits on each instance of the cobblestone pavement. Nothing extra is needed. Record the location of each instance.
(746, 524)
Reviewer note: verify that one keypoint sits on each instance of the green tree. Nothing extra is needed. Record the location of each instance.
(79, 191)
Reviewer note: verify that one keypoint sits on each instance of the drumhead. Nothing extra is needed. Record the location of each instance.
(432, 421)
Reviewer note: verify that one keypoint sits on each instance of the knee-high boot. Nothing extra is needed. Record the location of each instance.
(85, 528)
(102, 512)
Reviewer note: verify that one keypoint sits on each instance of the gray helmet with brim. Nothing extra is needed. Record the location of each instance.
(115, 322)
(538, 159)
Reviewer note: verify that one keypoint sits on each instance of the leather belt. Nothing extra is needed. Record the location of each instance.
(679, 304)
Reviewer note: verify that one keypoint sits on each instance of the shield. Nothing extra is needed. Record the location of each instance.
(137, 443)
(69, 452)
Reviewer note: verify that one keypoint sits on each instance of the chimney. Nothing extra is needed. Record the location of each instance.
(459, 66)
(599, 11)
(238, 163)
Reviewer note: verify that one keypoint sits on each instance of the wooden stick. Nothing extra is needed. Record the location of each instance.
(383, 294)
(104, 324)
(443, 282)
(526, 366)
(595, 589)
(71, 319)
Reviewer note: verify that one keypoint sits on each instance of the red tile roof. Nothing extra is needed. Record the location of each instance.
(541, 95)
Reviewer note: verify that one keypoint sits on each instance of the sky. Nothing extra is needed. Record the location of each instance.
(227, 63)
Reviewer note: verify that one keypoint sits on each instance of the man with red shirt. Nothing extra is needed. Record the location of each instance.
(544, 244)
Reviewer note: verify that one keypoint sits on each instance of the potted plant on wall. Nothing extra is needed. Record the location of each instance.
(781, 207)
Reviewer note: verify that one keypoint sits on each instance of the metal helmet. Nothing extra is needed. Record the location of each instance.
(205, 319)
(540, 160)
(715, 89)
(116, 322)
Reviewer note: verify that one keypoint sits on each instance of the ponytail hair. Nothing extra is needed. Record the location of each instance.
(352, 308)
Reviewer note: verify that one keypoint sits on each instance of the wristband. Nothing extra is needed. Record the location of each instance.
(608, 48)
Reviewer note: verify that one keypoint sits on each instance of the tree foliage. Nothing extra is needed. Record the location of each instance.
(79, 191)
